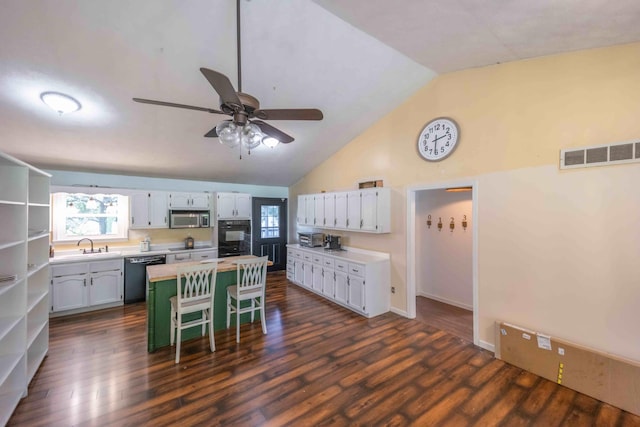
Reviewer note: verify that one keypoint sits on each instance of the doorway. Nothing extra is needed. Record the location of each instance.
(269, 231)
(442, 261)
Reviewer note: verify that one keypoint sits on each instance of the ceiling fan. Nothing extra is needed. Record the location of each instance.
(246, 128)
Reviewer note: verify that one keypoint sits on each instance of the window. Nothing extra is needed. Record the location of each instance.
(96, 216)
(269, 221)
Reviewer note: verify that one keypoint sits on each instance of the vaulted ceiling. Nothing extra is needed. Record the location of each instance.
(355, 60)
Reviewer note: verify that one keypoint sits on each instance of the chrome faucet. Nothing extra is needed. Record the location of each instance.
(84, 251)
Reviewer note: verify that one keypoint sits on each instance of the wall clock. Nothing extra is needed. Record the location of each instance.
(438, 139)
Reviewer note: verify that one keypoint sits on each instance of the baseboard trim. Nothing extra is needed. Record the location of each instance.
(446, 301)
(487, 346)
(399, 312)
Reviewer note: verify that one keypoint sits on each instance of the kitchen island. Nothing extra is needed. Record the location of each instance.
(161, 285)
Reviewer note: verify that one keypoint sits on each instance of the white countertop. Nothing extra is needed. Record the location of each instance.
(349, 253)
(122, 252)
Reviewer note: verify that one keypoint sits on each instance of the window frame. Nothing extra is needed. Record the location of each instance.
(58, 218)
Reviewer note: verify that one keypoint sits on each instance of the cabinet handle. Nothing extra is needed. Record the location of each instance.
(133, 220)
(92, 281)
(361, 222)
(85, 282)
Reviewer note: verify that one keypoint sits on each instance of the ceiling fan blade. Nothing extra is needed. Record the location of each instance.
(173, 104)
(269, 130)
(223, 86)
(213, 133)
(289, 114)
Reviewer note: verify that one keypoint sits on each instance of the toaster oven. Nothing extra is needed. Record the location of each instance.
(311, 240)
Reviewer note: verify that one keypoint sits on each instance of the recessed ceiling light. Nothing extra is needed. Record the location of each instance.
(60, 102)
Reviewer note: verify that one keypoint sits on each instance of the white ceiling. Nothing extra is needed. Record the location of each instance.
(324, 54)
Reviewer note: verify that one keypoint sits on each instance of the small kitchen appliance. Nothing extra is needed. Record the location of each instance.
(311, 240)
(188, 219)
(333, 242)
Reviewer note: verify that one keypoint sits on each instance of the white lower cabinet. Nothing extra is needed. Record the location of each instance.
(85, 286)
(356, 279)
(68, 292)
(317, 273)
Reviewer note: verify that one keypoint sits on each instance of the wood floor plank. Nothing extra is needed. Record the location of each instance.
(320, 364)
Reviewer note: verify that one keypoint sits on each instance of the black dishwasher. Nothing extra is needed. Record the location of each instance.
(135, 276)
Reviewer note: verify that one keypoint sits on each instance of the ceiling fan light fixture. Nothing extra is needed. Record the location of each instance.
(228, 134)
(60, 102)
(270, 142)
(251, 136)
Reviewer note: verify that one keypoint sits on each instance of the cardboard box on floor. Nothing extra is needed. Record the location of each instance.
(606, 377)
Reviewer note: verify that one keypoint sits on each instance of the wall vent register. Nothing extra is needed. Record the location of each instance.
(601, 155)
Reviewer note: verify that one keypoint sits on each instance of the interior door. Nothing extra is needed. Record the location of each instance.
(269, 231)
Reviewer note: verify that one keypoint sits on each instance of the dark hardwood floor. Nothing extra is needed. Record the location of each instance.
(449, 318)
(318, 365)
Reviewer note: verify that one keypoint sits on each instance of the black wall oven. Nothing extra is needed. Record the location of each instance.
(234, 238)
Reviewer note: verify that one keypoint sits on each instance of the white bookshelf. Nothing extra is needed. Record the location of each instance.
(24, 300)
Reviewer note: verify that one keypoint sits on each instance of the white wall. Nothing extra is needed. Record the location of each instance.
(69, 178)
(559, 251)
(444, 258)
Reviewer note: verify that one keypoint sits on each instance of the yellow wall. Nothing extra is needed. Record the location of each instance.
(514, 116)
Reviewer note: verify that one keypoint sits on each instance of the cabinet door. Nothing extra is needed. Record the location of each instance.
(139, 206)
(180, 201)
(225, 205)
(353, 210)
(158, 210)
(356, 293)
(369, 210)
(69, 292)
(318, 205)
(317, 278)
(243, 206)
(105, 287)
(341, 287)
(299, 272)
(310, 209)
(341, 210)
(199, 200)
(307, 279)
(329, 210)
(302, 213)
(328, 280)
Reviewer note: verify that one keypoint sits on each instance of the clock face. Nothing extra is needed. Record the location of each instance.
(438, 139)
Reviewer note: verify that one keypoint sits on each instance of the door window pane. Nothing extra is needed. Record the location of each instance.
(269, 221)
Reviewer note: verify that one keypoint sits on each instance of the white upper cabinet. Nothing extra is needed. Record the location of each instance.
(233, 205)
(353, 210)
(149, 209)
(329, 206)
(302, 210)
(306, 209)
(366, 210)
(187, 201)
(318, 218)
(341, 211)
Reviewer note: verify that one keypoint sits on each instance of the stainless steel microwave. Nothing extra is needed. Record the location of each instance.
(189, 219)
